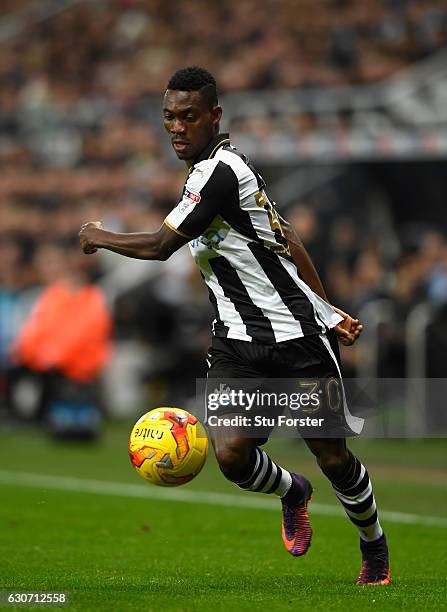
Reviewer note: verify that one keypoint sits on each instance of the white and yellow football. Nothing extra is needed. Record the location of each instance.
(168, 446)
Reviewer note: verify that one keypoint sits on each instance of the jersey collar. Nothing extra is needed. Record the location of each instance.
(210, 151)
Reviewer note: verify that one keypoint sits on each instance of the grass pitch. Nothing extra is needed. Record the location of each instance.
(111, 549)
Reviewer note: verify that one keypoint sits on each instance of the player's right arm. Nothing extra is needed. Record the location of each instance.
(206, 189)
(157, 245)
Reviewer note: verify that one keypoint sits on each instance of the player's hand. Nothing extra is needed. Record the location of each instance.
(87, 236)
(349, 330)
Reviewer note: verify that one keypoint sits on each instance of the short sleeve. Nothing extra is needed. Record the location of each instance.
(205, 194)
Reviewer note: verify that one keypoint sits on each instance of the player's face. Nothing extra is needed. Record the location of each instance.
(190, 122)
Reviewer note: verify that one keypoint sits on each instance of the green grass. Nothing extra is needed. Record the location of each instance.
(122, 553)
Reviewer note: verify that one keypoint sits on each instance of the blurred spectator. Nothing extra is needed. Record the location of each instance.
(69, 327)
(66, 341)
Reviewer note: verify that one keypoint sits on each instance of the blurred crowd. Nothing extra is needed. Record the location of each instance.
(123, 49)
(372, 266)
(80, 139)
(80, 89)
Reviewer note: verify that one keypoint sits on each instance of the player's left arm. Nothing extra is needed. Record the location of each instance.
(302, 259)
(157, 245)
(347, 330)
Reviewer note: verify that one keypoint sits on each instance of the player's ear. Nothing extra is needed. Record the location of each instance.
(217, 114)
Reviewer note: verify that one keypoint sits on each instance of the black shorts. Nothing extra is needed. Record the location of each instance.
(308, 365)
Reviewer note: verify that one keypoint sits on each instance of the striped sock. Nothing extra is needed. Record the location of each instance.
(266, 476)
(354, 490)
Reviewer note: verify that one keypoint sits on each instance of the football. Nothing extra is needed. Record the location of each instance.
(168, 446)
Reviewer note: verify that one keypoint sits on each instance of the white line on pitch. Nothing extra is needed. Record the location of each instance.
(102, 487)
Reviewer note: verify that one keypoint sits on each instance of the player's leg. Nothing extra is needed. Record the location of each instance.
(243, 462)
(349, 478)
(237, 448)
(238, 452)
(353, 488)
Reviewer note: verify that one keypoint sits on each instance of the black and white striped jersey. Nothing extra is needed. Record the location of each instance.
(237, 243)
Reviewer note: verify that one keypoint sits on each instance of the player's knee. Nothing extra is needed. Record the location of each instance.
(233, 457)
(333, 464)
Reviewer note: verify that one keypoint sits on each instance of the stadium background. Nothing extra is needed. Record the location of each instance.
(342, 105)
